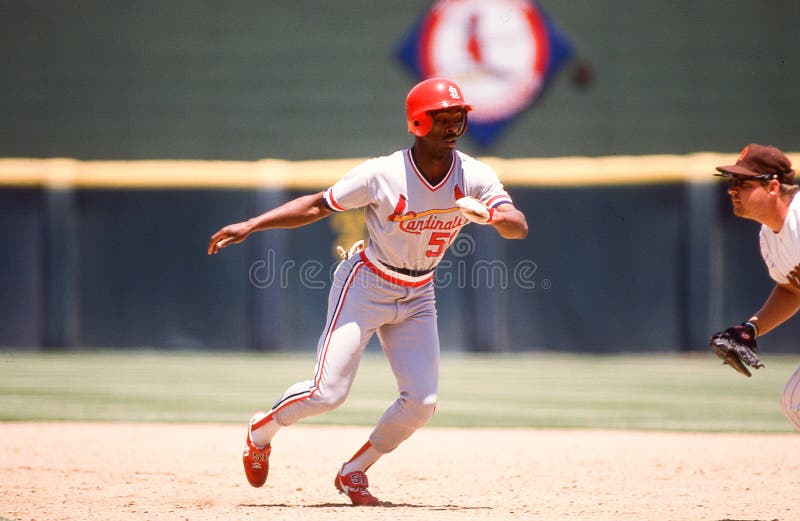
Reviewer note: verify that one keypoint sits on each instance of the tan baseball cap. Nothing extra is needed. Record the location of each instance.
(759, 162)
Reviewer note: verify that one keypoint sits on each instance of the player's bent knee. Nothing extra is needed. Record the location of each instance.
(792, 413)
(330, 400)
(419, 412)
(791, 410)
(790, 399)
(318, 399)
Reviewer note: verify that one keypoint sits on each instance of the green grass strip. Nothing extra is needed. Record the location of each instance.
(643, 392)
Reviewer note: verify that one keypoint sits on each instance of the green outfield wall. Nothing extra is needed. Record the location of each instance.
(248, 79)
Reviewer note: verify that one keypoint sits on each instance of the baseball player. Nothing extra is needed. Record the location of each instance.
(415, 203)
(761, 186)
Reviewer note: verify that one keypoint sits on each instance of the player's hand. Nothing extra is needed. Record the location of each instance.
(231, 234)
(794, 276)
(357, 247)
(474, 210)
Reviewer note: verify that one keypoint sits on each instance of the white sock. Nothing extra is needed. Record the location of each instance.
(263, 435)
(362, 460)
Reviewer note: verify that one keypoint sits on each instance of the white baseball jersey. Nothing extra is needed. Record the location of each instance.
(411, 223)
(781, 251)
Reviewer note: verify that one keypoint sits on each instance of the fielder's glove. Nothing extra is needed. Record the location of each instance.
(736, 346)
(474, 210)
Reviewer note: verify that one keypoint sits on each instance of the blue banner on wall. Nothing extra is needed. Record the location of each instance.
(502, 54)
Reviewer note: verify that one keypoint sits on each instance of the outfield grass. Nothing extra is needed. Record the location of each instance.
(650, 392)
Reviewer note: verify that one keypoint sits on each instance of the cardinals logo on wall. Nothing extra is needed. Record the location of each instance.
(501, 53)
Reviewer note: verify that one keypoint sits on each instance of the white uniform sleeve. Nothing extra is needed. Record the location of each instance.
(486, 186)
(774, 272)
(353, 190)
(781, 250)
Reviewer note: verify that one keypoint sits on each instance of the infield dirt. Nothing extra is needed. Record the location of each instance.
(100, 471)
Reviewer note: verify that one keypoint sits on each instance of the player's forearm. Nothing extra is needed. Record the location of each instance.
(781, 305)
(510, 223)
(293, 214)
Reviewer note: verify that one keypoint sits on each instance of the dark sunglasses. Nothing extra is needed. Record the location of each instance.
(738, 182)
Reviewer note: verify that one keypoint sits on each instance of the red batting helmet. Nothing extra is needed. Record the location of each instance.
(432, 94)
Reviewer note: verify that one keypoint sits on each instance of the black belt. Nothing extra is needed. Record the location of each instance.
(408, 272)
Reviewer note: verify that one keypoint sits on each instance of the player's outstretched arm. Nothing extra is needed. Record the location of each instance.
(293, 214)
(509, 222)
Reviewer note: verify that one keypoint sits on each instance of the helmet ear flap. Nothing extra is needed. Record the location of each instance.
(420, 124)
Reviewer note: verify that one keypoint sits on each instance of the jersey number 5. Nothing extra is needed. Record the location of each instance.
(439, 242)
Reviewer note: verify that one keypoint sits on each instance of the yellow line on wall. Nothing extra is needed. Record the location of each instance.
(319, 174)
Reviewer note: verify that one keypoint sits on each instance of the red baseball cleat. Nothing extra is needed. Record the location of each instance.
(355, 486)
(256, 462)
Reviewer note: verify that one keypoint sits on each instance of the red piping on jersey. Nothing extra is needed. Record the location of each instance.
(394, 280)
(422, 177)
(333, 202)
(266, 419)
(457, 193)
